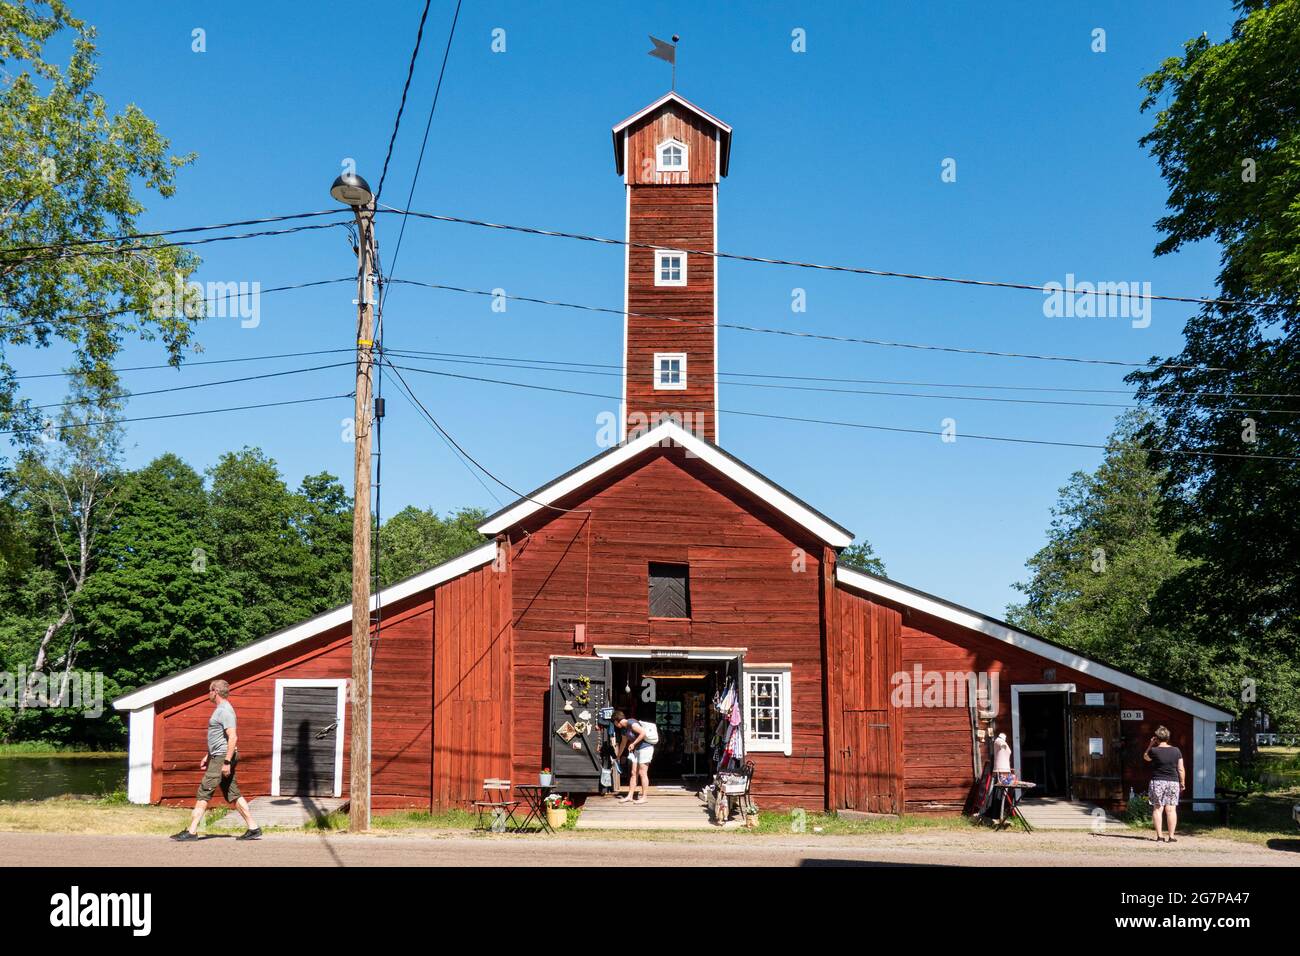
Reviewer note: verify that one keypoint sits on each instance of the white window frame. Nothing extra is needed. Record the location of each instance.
(660, 256)
(785, 744)
(341, 684)
(662, 148)
(660, 386)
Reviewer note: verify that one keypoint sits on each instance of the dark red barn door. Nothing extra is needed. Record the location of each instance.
(867, 762)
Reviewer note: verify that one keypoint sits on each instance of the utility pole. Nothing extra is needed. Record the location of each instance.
(352, 190)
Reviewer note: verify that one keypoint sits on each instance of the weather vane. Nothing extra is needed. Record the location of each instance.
(666, 51)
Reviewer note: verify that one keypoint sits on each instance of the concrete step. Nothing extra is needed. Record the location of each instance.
(283, 811)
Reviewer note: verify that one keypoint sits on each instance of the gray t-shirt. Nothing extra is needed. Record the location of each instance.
(222, 719)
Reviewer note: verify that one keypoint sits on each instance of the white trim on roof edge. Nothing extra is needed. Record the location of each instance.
(675, 97)
(1017, 638)
(670, 431)
(214, 668)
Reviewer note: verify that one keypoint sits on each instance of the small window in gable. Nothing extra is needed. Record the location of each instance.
(671, 156)
(670, 371)
(670, 267)
(670, 590)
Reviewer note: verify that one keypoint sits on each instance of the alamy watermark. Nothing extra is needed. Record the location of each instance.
(217, 300)
(922, 688)
(1098, 300)
(80, 690)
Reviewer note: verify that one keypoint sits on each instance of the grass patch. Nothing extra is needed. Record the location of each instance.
(832, 824)
(37, 748)
(107, 815)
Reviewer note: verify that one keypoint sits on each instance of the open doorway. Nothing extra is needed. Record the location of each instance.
(677, 695)
(1044, 741)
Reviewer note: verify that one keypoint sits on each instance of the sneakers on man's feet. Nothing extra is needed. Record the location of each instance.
(185, 836)
(254, 834)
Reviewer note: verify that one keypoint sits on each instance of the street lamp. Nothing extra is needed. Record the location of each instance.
(351, 190)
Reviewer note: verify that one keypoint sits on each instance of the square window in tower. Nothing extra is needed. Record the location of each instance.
(670, 268)
(670, 371)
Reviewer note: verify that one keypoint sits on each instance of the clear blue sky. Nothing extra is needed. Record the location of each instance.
(837, 158)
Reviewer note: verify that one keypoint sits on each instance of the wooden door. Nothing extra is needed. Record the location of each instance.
(867, 762)
(577, 769)
(1096, 760)
(309, 729)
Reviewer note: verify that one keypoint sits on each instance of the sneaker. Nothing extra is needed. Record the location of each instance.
(255, 834)
(184, 836)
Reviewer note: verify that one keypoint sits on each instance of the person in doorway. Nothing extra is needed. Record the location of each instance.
(639, 754)
(219, 762)
(1168, 779)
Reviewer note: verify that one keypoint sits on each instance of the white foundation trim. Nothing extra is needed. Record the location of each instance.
(341, 683)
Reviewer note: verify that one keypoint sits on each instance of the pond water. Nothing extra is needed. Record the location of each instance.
(35, 778)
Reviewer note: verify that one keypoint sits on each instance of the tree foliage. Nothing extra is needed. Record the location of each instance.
(1226, 135)
(71, 170)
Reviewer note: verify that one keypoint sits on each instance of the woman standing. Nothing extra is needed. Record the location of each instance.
(1168, 779)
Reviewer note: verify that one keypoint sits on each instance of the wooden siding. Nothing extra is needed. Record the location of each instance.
(402, 713)
(572, 568)
(672, 121)
(472, 725)
(675, 217)
(866, 740)
(937, 740)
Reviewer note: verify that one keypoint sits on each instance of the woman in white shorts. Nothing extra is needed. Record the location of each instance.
(640, 752)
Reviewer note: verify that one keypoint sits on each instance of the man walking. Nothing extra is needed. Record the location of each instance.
(218, 766)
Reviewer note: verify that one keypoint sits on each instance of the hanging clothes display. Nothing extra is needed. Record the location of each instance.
(729, 735)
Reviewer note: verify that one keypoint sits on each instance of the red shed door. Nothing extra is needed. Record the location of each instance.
(1096, 760)
(867, 762)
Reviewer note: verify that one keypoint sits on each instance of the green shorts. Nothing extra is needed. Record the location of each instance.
(213, 780)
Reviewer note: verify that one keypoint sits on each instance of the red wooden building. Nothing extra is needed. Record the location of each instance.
(652, 577)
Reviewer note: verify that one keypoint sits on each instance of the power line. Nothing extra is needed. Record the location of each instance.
(447, 435)
(861, 425)
(686, 323)
(637, 377)
(856, 270)
(205, 411)
(116, 312)
(169, 232)
(401, 106)
(419, 163)
(168, 365)
(185, 388)
(873, 381)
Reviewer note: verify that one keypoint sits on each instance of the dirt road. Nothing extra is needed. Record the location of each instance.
(978, 848)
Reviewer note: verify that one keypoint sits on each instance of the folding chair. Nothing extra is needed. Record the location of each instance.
(496, 802)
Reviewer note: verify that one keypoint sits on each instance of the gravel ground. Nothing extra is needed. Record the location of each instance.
(947, 848)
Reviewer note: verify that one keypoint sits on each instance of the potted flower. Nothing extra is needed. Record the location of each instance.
(557, 810)
(546, 778)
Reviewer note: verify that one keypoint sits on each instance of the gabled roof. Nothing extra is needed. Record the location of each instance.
(724, 131)
(801, 514)
(897, 593)
(222, 664)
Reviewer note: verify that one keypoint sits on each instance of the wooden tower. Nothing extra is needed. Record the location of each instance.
(672, 155)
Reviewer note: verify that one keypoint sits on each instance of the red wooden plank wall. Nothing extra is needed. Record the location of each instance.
(672, 121)
(865, 647)
(936, 740)
(402, 713)
(745, 592)
(676, 217)
(471, 682)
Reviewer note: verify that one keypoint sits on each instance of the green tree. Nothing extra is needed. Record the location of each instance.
(862, 557)
(257, 542)
(73, 170)
(1094, 583)
(157, 603)
(1226, 136)
(413, 540)
(324, 522)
